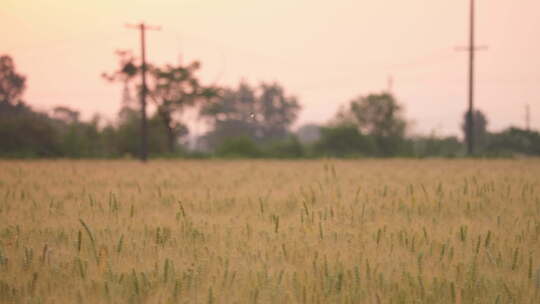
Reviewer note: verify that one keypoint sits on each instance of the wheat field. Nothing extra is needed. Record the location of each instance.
(264, 231)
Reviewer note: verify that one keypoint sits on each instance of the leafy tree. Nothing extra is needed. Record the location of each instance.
(480, 133)
(276, 110)
(126, 134)
(381, 117)
(514, 141)
(263, 114)
(28, 134)
(66, 114)
(175, 88)
(344, 140)
(170, 88)
(23, 132)
(431, 146)
(12, 84)
(377, 115)
(231, 115)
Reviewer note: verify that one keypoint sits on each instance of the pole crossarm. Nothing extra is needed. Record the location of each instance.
(145, 26)
(468, 49)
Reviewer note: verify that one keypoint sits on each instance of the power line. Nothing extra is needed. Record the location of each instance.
(144, 134)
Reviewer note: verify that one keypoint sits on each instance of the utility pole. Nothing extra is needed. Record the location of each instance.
(390, 84)
(472, 48)
(470, 114)
(527, 117)
(144, 90)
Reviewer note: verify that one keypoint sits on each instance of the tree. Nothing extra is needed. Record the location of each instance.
(278, 111)
(514, 141)
(127, 131)
(171, 89)
(379, 116)
(28, 134)
(174, 89)
(262, 113)
(344, 140)
(66, 114)
(231, 115)
(23, 132)
(12, 84)
(480, 133)
(434, 146)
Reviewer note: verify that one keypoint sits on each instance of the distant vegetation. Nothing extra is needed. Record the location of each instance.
(246, 121)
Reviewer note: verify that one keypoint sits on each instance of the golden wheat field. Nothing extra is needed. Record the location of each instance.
(317, 231)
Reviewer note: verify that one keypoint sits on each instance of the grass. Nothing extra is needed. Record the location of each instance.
(320, 231)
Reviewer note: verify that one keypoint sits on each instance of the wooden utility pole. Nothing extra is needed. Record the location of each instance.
(470, 113)
(144, 90)
(472, 48)
(527, 118)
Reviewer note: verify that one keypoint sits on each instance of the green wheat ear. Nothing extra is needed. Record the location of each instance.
(120, 244)
(94, 250)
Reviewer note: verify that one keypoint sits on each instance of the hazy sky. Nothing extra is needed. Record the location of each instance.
(324, 52)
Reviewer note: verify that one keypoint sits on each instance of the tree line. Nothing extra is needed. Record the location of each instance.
(243, 121)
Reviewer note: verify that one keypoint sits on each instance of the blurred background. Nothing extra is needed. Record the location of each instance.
(268, 78)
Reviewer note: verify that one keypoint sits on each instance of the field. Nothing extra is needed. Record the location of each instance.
(321, 231)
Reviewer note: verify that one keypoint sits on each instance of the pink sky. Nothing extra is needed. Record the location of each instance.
(324, 52)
